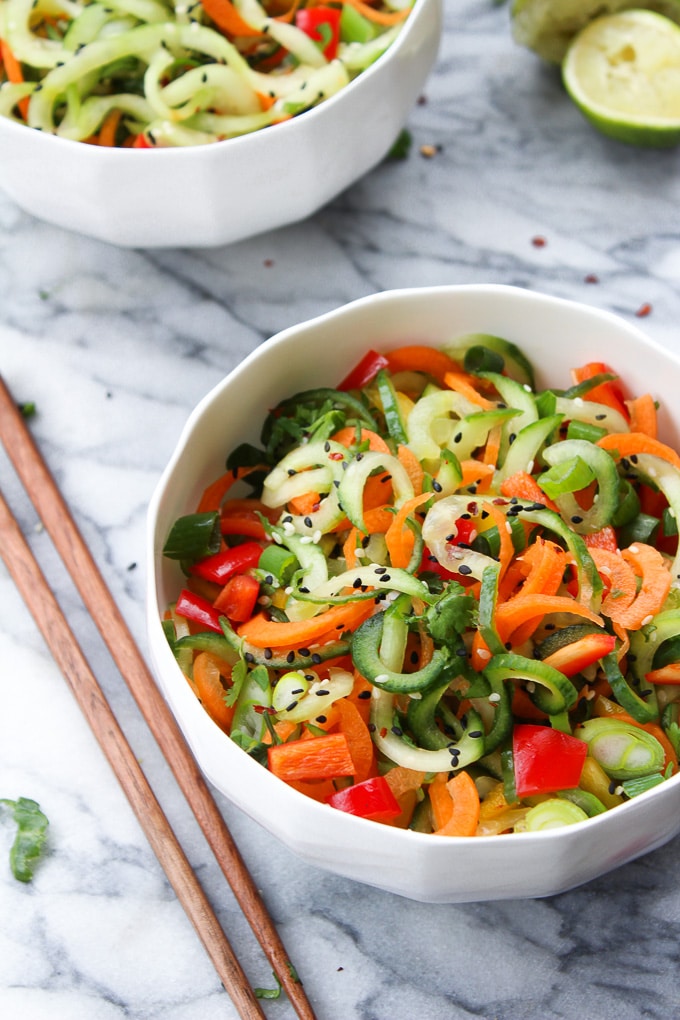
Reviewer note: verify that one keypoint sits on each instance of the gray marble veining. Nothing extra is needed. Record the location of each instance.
(115, 347)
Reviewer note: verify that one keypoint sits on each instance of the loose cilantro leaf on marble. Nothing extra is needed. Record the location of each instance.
(29, 842)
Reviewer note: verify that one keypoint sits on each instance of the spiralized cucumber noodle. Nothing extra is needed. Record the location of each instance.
(149, 73)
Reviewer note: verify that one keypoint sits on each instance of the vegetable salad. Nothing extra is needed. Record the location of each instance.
(150, 73)
(441, 599)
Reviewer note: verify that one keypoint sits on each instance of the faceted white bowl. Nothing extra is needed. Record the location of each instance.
(556, 335)
(216, 194)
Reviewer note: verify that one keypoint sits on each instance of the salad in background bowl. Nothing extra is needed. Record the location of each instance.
(247, 120)
(490, 714)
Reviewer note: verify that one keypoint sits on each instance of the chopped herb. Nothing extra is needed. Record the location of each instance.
(29, 842)
(402, 146)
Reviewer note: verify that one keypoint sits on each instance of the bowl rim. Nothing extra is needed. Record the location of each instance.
(306, 117)
(214, 396)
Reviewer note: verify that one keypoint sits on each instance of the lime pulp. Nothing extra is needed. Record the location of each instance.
(623, 72)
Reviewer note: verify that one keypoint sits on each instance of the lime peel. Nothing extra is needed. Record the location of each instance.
(623, 73)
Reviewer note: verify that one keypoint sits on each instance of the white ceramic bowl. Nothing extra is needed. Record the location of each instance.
(556, 335)
(217, 194)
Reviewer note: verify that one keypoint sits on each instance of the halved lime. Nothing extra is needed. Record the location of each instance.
(623, 72)
(548, 26)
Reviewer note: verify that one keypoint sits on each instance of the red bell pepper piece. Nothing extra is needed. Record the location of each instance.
(238, 598)
(322, 24)
(371, 799)
(431, 565)
(365, 370)
(223, 565)
(574, 657)
(609, 393)
(466, 531)
(141, 142)
(545, 759)
(194, 607)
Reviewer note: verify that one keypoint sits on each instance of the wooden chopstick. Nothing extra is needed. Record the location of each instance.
(68, 655)
(78, 560)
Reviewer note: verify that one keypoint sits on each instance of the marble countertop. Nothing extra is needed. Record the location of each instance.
(115, 347)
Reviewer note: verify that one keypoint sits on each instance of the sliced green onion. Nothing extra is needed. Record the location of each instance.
(554, 813)
(623, 750)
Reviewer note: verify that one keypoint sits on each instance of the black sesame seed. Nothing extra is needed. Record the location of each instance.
(464, 569)
(290, 657)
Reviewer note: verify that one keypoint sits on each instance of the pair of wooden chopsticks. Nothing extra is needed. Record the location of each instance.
(23, 567)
